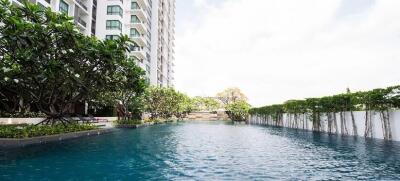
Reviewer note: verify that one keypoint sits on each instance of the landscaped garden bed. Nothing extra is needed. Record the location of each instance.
(12, 136)
(28, 131)
(132, 123)
(140, 123)
(22, 142)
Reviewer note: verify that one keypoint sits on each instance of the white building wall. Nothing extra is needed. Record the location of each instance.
(154, 43)
(150, 57)
(377, 130)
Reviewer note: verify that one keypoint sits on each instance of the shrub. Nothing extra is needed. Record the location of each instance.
(128, 122)
(27, 131)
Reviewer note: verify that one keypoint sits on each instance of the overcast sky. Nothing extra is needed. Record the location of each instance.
(276, 50)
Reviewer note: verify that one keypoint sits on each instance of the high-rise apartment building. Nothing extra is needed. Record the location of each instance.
(83, 11)
(149, 23)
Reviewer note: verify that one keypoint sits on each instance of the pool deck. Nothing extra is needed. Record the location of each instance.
(15, 142)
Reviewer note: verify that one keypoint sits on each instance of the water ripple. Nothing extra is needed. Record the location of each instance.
(206, 151)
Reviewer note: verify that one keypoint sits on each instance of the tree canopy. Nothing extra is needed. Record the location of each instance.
(47, 63)
(165, 102)
(231, 95)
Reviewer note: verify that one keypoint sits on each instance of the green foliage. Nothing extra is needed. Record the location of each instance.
(377, 99)
(23, 115)
(231, 95)
(27, 131)
(47, 64)
(206, 104)
(128, 122)
(238, 110)
(164, 102)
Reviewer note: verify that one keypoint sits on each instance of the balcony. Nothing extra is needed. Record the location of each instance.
(31, 1)
(139, 13)
(142, 3)
(81, 6)
(80, 22)
(137, 52)
(139, 40)
(139, 26)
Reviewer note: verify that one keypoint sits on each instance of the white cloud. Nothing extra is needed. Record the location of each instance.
(276, 50)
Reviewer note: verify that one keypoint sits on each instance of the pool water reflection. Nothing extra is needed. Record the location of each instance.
(206, 151)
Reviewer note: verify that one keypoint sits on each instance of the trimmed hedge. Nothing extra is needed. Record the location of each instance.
(128, 122)
(377, 99)
(28, 131)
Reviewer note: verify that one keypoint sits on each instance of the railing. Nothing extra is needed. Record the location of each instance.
(136, 49)
(136, 22)
(80, 21)
(135, 36)
(83, 5)
(31, 1)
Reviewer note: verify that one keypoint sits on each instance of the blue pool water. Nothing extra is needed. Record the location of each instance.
(206, 151)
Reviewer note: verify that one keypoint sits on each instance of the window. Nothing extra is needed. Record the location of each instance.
(114, 10)
(135, 5)
(135, 19)
(134, 33)
(64, 7)
(112, 37)
(113, 25)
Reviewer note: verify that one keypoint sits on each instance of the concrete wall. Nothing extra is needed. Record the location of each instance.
(304, 122)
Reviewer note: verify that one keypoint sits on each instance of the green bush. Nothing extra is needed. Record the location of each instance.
(27, 131)
(129, 122)
(23, 115)
(238, 111)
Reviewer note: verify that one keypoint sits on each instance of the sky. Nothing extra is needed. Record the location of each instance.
(278, 50)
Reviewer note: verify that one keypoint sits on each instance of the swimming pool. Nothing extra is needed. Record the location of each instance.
(206, 151)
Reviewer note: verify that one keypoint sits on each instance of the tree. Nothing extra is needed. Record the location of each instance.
(206, 104)
(238, 110)
(231, 95)
(378, 100)
(128, 88)
(162, 102)
(47, 63)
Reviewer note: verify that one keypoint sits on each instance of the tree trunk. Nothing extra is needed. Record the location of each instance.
(353, 120)
(335, 122)
(386, 129)
(388, 125)
(344, 125)
(368, 125)
(329, 117)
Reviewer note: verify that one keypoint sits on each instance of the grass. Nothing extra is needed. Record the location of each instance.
(28, 131)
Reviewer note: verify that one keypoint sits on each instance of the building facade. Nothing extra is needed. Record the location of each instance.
(83, 11)
(149, 23)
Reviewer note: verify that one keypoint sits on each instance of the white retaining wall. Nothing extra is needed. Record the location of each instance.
(359, 122)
